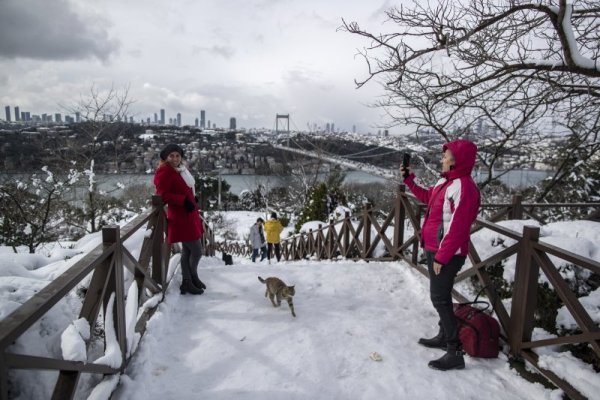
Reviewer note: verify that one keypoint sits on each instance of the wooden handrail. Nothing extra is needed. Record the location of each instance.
(356, 243)
(106, 261)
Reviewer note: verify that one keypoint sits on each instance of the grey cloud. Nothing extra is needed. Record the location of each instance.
(224, 51)
(51, 30)
(268, 4)
(297, 76)
(136, 53)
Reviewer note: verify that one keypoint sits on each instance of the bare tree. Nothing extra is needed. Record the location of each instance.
(103, 116)
(514, 72)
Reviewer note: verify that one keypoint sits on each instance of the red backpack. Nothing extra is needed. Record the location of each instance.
(478, 331)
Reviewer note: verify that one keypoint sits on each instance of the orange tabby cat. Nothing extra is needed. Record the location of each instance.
(277, 288)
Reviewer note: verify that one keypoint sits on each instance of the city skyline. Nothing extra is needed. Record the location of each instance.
(251, 62)
(198, 120)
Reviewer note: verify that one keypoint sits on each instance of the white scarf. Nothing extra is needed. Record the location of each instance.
(187, 177)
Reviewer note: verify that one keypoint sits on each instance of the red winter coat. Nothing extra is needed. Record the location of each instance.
(452, 205)
(183, 226)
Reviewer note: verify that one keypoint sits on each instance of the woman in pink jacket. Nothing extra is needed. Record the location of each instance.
(452, 206)
(176, 186)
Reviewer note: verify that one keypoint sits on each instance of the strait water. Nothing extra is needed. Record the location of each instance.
(238, 183)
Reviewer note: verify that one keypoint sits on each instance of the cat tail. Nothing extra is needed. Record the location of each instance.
(261, 279)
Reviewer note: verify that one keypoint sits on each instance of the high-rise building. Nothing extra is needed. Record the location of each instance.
(7, 110)
(162, 116)
(203, 119)
(353, 128)
(58, 118)
(27, 116)
(232, 123)
(155, 118)
(328, 127)
(44, 117)
(332, 127)
(208, 124)
(148, 119)
(77, 117)
(131, 120)
(17, 114)
(196, 122)
(214, 125)
(178, 119)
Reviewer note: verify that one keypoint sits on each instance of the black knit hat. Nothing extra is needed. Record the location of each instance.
(274, 215)
(168, 149)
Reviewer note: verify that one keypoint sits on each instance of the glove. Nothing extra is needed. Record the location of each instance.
(189, 206)
(405, 171)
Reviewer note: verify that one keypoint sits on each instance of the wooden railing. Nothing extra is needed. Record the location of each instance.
(352, 238)
(106, 263)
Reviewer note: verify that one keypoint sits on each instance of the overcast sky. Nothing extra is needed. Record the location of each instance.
(248, 59)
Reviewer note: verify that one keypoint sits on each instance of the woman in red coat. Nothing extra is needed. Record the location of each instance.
(176, 186)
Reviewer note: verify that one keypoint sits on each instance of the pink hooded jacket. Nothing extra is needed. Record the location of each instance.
(452, 205)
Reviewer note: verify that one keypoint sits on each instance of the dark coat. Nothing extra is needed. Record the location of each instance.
(183, 226)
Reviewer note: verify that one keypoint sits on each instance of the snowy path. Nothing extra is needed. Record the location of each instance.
(231, 343)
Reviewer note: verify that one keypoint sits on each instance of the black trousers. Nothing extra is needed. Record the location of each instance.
(277, 247)
(440, 290)
(191, 253)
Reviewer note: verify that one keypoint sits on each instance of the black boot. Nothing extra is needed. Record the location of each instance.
(197, 282)
(436, 342)
(188, 287)
(453, 359)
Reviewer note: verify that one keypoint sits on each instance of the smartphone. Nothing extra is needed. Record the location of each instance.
(406, 160)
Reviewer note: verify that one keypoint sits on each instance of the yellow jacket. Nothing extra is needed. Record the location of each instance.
(273, 229)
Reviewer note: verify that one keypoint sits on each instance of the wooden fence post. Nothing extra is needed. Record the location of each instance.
(346, 236)
(319, 246)
(524, 292)
(330, 239)
(158, 244)
(399, 218)
(3, 378)
(367, 212)
(415, 247)
(112, 234)
(516, 211)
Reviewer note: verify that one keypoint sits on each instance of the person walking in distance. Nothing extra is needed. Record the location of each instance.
(257, 239)
(452, 206)
(175, 185)
(273, 229)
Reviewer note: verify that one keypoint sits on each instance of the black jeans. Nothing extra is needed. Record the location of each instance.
(277, 250)
(440, 290)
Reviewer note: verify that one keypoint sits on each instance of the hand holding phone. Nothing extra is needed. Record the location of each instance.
(406, 160)
(404, 167)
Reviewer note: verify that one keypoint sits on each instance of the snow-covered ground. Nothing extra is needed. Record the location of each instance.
(231, 343)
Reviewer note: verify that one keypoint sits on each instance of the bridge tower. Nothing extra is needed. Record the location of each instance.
(286, 118)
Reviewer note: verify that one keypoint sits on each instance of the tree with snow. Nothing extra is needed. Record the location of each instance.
(32, 208)
(513, 73)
